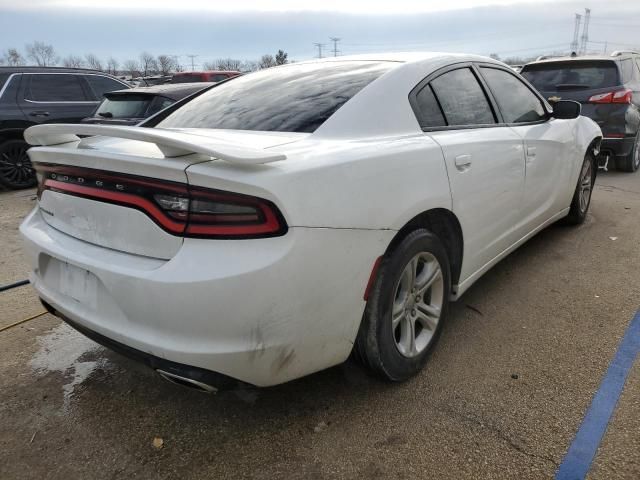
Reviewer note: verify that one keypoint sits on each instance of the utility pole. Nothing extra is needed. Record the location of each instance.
(319, 47)
(576, 33)
(192, 64)
(335, 41)
(585, 31)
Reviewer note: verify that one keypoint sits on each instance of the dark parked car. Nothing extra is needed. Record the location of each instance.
(33, 95)
(608, 87)
(131, 106)
(208, 76)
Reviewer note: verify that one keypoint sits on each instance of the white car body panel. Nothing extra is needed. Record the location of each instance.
(269, 310)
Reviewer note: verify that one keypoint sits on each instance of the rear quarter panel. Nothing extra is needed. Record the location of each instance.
(364, 184)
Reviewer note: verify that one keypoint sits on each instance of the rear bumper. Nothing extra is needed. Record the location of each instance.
(617, 147)
(198, 375)
(260, 311)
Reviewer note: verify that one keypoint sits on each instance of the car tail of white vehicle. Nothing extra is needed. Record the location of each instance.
(83, 192)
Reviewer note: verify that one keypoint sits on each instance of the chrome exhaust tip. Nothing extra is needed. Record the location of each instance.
(186, 382)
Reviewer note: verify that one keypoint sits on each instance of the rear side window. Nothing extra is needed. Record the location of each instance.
(626, 67)
(55, 88)
(3, 79)
(100, 85)
(572, 75)
(428, 110)
(462, 99)
(289, 98)
(516, 102)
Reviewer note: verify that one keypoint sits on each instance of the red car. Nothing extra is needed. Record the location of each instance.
(208, 76)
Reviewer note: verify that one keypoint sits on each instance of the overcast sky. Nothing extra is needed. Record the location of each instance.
(246, 29)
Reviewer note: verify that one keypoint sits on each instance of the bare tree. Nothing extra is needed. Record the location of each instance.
(225, 64)
(250, 66)
(13, 57)
(42, 54)
(132, 67)
(281, 57)
(267, 61)
(93, 61)
(166, 63)
(112, 66)
(72, 61)
(148, 64)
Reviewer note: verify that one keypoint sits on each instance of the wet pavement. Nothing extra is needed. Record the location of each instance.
(502, 396)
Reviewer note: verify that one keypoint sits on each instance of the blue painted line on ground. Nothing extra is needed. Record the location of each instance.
(577, 461)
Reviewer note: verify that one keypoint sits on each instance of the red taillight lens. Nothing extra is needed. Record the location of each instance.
(177, 208)
(619, 96)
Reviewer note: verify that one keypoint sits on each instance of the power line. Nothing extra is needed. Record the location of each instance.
(576, 32)
(335, 41)
(192, 57)
(585, 31)
(319, 47)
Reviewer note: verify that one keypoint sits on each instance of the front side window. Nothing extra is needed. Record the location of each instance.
(100, 85)
(516, 102)
(462, 99)
(55, 88)
(290, 98)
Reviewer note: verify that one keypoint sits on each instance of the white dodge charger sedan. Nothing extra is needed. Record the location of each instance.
(278, 222)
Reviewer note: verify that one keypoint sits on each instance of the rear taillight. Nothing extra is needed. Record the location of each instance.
(177, 208)
(619, 96)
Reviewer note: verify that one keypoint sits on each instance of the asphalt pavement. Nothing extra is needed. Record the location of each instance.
(502, 396)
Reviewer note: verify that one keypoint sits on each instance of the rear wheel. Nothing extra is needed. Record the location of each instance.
(406, 308)
(16, 170)
(582, 195)
(631, 162)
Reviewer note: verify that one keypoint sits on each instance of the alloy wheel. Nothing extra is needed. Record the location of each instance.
(585, 185)
(15, 166)
(417, 304)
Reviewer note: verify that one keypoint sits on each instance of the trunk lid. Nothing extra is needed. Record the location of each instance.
(101, 189)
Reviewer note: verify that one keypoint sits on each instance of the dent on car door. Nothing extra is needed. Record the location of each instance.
(548, 147)
(484, 162)
(54, 97)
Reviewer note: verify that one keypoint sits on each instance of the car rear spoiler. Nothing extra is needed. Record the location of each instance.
(170, 142)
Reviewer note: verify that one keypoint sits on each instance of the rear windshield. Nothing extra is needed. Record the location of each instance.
(292, 98)
(124, 106)
(573, 75)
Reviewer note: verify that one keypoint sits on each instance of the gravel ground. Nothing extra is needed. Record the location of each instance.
(502, 396)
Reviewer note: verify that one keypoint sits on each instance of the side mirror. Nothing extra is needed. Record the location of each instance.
(566, 109)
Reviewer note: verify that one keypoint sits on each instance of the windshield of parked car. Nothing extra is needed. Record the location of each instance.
(124, 106)
(571, 75)
(291, 98)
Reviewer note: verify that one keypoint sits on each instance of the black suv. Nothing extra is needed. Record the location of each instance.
(608, 87)
(33, 95)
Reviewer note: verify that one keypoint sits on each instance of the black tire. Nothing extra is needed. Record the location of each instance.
(579, 209)
(631, 162)
(16, 170)
(377, 342)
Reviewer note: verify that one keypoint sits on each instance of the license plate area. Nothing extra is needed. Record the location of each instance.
(71, 281)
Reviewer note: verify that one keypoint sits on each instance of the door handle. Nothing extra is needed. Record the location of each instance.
(531, 151)
(463, 162)
(39, 114)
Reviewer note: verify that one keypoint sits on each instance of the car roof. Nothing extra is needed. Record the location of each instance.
(30, 69)
(582, 58)
(174, 91)
(406, 57)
